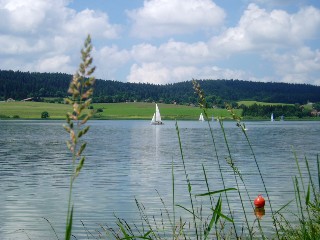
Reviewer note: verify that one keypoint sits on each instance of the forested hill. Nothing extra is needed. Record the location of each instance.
(20, 85)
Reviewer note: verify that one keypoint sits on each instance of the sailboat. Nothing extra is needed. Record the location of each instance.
(156, 119)
(272, 117)
(201, 118)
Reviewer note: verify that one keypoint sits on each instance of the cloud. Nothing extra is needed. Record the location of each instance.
(158, 18)
(109, 60)
(158, 73)
(149, 73)
(172, 53)
(261, 30)
(53, 63)
(35, 30)
(90, 21)
(299, 65)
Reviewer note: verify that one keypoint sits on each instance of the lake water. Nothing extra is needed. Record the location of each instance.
(128, 160)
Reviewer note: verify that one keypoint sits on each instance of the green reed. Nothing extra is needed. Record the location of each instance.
(81, 89)
(307, 225)
(203, 105)
(308, 207)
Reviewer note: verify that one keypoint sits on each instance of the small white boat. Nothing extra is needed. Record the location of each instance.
(156, 119)
(201, 118)
(271, 117)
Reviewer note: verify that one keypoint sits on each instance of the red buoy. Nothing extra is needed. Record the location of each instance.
(259, 202)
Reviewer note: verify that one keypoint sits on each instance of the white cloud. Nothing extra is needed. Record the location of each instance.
(149, 72)
(10, 45)
(90, 21)
(300, 65)
(158, 73)
(262, 30)
(216, 72)
(51, 64)
(172, 53)
(25, 16)
(158, 18)
(109, 60)
(35, 30)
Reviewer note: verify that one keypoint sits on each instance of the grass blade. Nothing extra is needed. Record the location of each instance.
(69, 225)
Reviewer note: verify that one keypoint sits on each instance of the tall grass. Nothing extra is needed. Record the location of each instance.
(81, 89)
(306, 223)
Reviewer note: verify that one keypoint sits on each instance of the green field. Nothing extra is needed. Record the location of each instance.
(33, 110)
(249, 103)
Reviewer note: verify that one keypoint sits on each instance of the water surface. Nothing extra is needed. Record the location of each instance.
(128, 160)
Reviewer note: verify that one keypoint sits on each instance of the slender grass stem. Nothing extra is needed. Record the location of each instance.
(310, 178)
(188, 180)
(203, 106)
(262, 179)
(235, 177)
(173, 204)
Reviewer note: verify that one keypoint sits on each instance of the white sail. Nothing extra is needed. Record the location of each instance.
(158, 116)
(272, 117)
(156, 119)
(153, 118)
(201, 117)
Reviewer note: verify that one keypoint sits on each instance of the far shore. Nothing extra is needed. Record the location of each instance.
(123, 111)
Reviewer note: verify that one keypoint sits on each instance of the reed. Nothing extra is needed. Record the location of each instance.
(81, 89)
(305, 222)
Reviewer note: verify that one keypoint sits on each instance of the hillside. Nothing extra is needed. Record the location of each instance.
(20, 85)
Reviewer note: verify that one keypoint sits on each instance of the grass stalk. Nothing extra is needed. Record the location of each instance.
(188, 181)
(203, 106)
(237, 173)
(243, 129)
(173, 204)
(81, 89)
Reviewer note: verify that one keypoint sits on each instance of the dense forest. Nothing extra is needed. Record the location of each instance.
(264, 111)
(21, 85)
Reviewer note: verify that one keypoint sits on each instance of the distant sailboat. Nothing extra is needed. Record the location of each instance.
(156, 119)
(201, 118)
(272, 117)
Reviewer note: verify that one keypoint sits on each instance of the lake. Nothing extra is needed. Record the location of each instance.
(128, 160)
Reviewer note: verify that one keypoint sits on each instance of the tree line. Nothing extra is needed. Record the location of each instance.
(278, 111)
(21, 85)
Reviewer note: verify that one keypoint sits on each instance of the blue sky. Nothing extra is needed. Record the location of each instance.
(166, 41)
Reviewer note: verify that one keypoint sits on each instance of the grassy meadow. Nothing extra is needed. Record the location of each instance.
(33, 110)
(250, 103)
